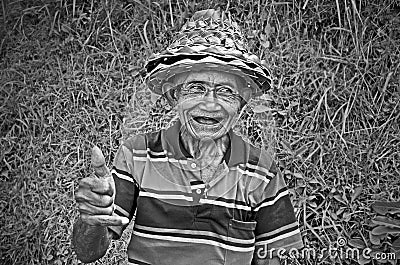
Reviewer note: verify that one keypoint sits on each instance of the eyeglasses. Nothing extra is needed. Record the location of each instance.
(201, 89)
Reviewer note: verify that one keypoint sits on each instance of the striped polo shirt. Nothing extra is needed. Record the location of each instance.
(179, 219)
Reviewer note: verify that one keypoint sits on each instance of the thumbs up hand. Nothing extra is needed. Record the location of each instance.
(95, 195)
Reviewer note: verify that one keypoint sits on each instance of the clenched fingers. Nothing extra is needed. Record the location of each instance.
(104, 220)
(86, 208)
(85, 196)
(101, 186)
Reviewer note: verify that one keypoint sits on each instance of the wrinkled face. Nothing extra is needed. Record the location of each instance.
(208, 102)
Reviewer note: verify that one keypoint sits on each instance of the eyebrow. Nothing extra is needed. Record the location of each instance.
(210, 83)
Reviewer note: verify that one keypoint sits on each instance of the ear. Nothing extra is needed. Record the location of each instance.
(171, 93)
(246, 95)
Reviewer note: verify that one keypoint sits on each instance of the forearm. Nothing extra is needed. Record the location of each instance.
(90, 242)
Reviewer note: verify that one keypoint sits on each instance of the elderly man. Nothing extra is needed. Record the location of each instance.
(200, 194)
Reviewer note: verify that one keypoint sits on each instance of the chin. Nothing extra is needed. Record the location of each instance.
(213, 136)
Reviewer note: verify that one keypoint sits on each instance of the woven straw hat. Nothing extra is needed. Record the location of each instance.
(208, 41)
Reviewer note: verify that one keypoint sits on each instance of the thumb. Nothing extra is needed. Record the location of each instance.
(99, 163)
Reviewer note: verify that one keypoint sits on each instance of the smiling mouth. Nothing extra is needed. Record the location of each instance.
(206, 120)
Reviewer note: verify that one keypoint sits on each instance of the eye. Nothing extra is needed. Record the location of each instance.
(194, 88)
(226, 91)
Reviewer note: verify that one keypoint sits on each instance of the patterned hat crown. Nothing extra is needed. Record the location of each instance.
(210, 40)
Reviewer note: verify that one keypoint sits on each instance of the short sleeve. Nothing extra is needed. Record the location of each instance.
(126, 187)
(277, 227)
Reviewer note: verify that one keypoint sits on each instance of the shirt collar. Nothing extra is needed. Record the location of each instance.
(237, 152)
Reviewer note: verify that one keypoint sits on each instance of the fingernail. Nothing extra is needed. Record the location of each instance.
(97, 157)
(124, 220)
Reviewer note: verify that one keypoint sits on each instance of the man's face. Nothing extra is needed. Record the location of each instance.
(208, 102)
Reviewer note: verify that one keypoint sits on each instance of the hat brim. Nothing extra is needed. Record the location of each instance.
(256, 79)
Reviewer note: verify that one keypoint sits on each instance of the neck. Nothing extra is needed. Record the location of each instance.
(205, 149)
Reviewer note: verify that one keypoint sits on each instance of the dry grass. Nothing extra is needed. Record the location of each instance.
(69, 69)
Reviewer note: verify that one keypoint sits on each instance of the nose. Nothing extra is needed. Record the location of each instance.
(210, 102)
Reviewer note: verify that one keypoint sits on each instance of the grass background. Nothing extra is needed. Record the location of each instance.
(71, 72)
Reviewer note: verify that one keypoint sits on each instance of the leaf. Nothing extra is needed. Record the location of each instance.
(340, 211)
(396, 245)
(300, 183)
(383, 230)
(382, 207)
(261, 109)
(313, 204)
(301, 150)
(339, 198)
(268, 30)
(346, 216)
(374, 239)
(298, 175)
(334, 216)
(282, 112)
(357, 243)
(287, 145)
(385, 221)
(312, 197)
(363, 260)
(266, 97)
(266, 44)
(314, 181)
(132, 67)
(357, 192)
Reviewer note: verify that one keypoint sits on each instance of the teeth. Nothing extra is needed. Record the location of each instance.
(206, 120)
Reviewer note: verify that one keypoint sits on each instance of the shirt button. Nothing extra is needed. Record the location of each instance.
(193, 165)
(198, 191)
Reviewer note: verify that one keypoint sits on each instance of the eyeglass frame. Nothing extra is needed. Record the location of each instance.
(208, 87)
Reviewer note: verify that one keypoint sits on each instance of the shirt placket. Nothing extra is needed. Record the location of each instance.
(196, 183)
(202, 212)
